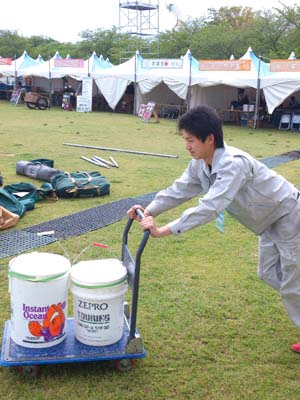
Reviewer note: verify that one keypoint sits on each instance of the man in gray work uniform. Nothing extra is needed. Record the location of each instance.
(256, 196)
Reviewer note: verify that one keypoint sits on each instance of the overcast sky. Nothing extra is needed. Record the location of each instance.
(62, 20)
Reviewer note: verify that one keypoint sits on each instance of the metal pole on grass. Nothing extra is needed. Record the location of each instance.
(121, 150)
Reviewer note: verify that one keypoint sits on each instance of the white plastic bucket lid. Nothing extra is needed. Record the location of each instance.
(38, 267)
(98, 273)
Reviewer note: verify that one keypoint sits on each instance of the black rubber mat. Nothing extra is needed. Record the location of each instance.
(84, 221)
(274, 161)
(16, 242)
(91, 219)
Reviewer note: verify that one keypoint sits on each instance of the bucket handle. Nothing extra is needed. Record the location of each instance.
(52, 233)
(95, 244)
(102, 245)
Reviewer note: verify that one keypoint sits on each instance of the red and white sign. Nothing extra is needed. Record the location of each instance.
(224, 65)
(69, 62)
(162, 63)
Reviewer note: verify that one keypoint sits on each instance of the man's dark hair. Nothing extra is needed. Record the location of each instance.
(202, 121)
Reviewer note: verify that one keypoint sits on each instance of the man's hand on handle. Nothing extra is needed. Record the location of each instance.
(148, 222)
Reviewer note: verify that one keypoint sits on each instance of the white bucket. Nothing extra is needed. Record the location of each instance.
(38, 285)
(98, 288)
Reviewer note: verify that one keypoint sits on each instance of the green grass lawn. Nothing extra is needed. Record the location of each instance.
(211, 328)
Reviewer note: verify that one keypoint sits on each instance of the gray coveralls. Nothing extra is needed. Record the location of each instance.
(259, 198)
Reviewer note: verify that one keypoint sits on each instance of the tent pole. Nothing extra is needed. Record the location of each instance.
(16, 78)
(257, 99)
(134, 85)
(188, 97)
(50, 97)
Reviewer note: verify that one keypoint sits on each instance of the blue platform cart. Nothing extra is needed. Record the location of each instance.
(130, 347)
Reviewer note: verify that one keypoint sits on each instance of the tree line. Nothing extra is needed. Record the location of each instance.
(219, 35)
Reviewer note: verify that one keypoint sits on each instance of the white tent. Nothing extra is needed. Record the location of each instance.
(168, 86)
(48, 76)
(177, 79)
(292, 56)
(218, 96)
(95, 63)
(278, 86)
(42, 77)
(39, 59)
(219, 88)
(48, 70)
(112, 82)
(164, 85)
(157, 84)
(18, 66)
(167, 101)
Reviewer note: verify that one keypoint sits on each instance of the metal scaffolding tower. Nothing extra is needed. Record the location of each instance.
(139, 18)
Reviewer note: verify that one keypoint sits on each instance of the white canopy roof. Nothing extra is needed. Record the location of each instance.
(292, 56)
(240, 79)
(278, 86)
(18, 66)
(177, 79)
(113, 82)
(48, 69)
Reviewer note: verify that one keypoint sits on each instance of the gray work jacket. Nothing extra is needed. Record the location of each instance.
(252, 193)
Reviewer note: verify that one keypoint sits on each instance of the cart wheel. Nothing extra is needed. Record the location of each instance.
(42, 103)
(31, 105)
(29, 370)
(124, 365)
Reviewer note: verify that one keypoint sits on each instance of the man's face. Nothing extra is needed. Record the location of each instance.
(199, 150)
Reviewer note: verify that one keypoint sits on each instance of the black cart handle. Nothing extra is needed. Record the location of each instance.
(145, 238)
(133, 273)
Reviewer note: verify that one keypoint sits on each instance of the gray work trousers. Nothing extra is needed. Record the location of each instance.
(279, 260)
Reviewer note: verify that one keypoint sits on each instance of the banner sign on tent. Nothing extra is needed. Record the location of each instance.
(285, 65)
(69, 62)
(5, 61)
(162, 63)
(224, 65)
